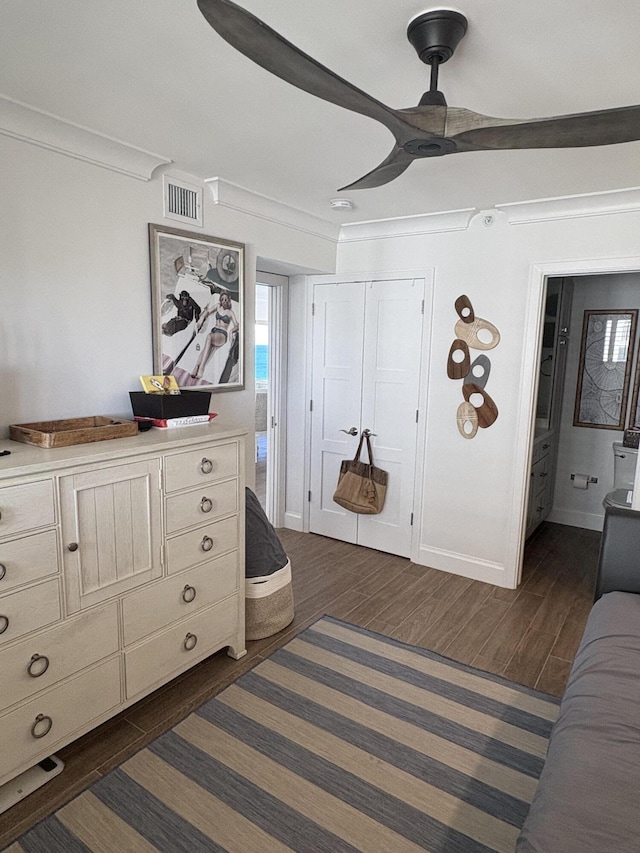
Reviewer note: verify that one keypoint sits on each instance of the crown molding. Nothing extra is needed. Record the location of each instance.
(28, 124)
(572, 207)
(232, 196)
(408, 226)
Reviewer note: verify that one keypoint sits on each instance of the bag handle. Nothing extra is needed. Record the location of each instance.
(356, 458)
(369, 450)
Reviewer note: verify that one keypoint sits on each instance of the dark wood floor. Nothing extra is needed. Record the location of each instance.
(529, 635)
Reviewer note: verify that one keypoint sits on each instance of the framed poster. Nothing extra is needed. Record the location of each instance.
(197, 299)
(605, 368)
(634, 412)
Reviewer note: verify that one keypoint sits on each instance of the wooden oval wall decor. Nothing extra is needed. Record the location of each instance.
(464, 309)
(467, 420)
(481, 334)
(487, 411)
(458, 368)
(478, 410)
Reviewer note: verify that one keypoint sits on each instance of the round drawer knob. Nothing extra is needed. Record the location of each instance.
(4, 624)
(38, 665)
(190, 642)
(206, 466)
(207, 543)
(72, 546)
(41, 726)
(188, 594)
(3, 570)
(206, 504)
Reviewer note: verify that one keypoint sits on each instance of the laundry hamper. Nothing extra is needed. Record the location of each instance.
(268, 590)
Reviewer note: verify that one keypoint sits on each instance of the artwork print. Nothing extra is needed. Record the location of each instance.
(605, 367)
(197, 300)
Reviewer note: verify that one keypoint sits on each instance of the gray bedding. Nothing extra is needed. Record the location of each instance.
(588, 797)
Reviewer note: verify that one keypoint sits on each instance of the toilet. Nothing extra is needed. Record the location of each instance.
(624, 472)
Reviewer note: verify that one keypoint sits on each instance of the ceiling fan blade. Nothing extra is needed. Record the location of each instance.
(387, 171)
(603, 127)
(273, 52)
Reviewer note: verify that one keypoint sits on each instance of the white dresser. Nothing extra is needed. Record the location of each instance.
(121, 565)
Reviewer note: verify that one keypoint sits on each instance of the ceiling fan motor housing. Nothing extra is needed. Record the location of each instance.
(437, 34)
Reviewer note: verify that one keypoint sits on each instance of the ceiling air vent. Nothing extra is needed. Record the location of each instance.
(182, 201)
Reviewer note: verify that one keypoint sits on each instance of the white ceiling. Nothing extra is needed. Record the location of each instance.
(154, 74)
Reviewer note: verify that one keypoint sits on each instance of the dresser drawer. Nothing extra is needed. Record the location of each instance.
(197, 507)
(46, 658)
(152, 608)
(34, 730)
(26, 507)
(198, 467)
(202, 544)
(165, 655)
(27, 559)
(28, 610)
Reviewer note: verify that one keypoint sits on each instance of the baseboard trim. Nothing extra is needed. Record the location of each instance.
(293, 521)
(573, 518)
(464, 565)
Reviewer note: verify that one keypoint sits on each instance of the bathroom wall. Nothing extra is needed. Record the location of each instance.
(583, 449)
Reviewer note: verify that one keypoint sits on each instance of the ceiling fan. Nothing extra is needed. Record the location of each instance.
(431, 129)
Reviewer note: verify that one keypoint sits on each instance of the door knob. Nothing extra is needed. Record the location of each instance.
(368, 433)
(352, 431)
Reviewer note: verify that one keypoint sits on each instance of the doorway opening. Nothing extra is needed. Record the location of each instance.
(270, 366)
(578, 414)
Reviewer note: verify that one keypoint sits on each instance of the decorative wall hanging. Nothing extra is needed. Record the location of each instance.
(604, 371)
(478, 410)
(197, 290)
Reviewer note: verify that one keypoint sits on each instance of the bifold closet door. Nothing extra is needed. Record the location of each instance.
(366, 374)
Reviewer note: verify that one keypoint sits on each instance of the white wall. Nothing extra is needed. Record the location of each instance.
(473, 490)
(582, 449)
(75, 323)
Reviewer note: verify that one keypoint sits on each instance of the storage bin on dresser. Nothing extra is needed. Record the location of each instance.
(121, 565)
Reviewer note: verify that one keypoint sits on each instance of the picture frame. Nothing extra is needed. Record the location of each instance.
(197, 307)
(634, 411)
(604, 371)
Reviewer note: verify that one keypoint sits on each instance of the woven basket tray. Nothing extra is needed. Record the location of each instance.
(72, 431)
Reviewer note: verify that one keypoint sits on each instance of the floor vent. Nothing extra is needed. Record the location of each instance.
(182, 202)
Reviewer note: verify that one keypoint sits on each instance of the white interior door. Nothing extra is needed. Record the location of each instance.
(390, 393)
(367, 343)
(338, 332)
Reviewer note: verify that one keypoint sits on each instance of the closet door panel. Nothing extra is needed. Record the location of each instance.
(336, 391)
(390, 397)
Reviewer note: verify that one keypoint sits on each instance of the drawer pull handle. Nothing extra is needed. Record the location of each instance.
(3, 570)
(206, 504)
(38, 665)
(4, 624)
(207, 543)
(72, 546)
(41, 726)
(190, 642)
(188, 594)
(206, 466)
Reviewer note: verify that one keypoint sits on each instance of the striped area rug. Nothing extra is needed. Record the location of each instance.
(343, 740)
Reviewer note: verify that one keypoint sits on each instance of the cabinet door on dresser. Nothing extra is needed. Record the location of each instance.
(111, 530)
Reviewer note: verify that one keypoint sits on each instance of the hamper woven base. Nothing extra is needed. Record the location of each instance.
(270, 614)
